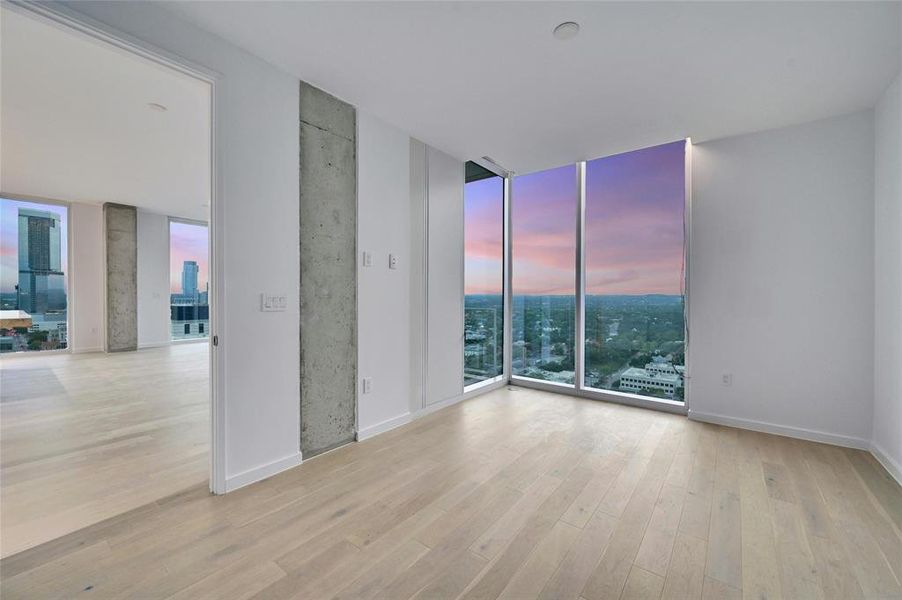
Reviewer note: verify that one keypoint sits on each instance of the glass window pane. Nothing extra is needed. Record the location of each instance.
(484, 276)
(33, 280)
(543, 255)
(634, 272)
(188, 283)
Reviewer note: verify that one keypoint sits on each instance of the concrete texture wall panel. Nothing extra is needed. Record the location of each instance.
(121, 231)
(328, 217)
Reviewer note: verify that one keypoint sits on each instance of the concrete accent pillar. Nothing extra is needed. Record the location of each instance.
(328, 231)
(120, 225)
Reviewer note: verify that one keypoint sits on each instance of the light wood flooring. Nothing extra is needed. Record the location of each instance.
(85, 437)
(515, 494)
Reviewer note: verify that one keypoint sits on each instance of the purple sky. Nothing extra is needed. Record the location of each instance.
(187, 242)
(634, 222)
(634, 225)
(543, 236)
(9, 239)
(484, 236)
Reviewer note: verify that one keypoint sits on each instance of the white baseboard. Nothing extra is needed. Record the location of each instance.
(262, 472)
(146, 345)
(892, 466)
(387, 425)
(479, 391)
(87, 350)
(431, 408)
(794, 432)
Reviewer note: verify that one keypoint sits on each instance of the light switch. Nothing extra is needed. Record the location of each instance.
(367, 259)
(273, 302)
(392, 261)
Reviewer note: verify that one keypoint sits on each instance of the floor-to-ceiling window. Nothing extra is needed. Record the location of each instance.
(634, 329)
(543, 238)
(483, 275)
(188, 280)
(33, 303)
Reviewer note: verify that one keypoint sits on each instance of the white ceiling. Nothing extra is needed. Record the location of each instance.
(484, 78)
(77, 127)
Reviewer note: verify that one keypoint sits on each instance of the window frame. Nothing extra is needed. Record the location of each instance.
(578, 388)
(70, 286)
(207, 337)
(503, 378)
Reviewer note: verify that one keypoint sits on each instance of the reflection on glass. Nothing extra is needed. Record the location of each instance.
(484, 275)
(543, 254)
(634, 272)
(188, 282)
(33, 302)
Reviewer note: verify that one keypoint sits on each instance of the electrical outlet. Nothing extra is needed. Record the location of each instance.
(727, 379)
(367, 259)
(392, 261)
(367, 385)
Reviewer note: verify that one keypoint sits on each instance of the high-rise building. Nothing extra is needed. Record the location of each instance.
(41, 286)
(189, 279)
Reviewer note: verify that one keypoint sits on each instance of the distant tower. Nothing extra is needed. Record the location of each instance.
(189, 279)
(41, 284)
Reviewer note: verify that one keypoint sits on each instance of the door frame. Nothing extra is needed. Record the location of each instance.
(64, 17)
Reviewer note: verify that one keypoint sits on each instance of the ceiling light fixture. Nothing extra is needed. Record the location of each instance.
(566, 31)
(157, 107)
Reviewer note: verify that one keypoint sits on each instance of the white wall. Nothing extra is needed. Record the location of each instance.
(153, 279)
(383, 294)
(782, 280)
(86, 278)
(887, 436)
(445, 277)
(256, 229)
(418, 195)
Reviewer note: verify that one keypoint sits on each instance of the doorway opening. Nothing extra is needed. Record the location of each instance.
(105, 347)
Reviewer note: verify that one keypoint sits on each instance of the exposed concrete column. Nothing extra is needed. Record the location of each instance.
(328, 206)
(120, 225)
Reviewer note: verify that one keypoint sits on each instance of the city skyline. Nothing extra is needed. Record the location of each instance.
(9, 239)
(187, 242)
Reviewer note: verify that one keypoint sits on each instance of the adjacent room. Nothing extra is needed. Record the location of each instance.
(451, 300)
(104, 280)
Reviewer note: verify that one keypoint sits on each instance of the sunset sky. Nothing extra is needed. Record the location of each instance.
(187, 242)
(484, 236)
(9, 239)
(634, 222)
(634, 227)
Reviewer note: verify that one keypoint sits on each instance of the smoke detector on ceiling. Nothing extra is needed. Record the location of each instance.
(566, 31)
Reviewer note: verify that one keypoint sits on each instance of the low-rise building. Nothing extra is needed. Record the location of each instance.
(660, 375)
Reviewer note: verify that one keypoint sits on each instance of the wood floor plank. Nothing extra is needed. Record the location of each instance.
(588, 500)
(531, 578)
(493, 541)
(798, 568)
(717, 590)
(760, 571)
(686, 573)
(724, 561)
(86, 437)
(515, 494)
(576, 567)
(642, 585)
(533, 532)
(612, 571)
(657, 544)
